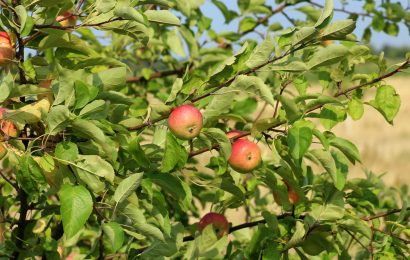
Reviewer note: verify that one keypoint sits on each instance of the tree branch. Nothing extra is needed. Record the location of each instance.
(384, 214)
(21, 224)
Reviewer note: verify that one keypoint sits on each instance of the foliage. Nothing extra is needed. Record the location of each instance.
(95, 172)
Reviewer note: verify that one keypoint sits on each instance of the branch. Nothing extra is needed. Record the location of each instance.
(407, 62)
(392, 235)
(155, 75)
(227, 83)
(384, 214)
(21, 224)
(14, 185)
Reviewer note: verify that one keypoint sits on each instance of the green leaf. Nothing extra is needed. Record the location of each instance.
(30, 176)
(140, 223)
(76, 206)
(90, 130)
(92, 108)
(175, 187)
(297, 236)
(347, 148)
(331, 115)
(261, 53)
(355, 108)
(57, 119)
(292, 110)
(29, 114)
(356, 225)
(326, 16)
(218, 136)
(326, 160)
(253, 85)
(26, 22)
(175, 155)
(94, 164)
(304, 34)
(289, 66)
(115, 234)
(110, 79)
(328, 56)
(338, 30)
(26, 90)
(247, 24)
(67, 151)
(228, 14)
(300, 138)
(387, 102)
(128, 12)
(7, 85)
(127, 186)
(176, 87)
(162, 16)
(331, 209)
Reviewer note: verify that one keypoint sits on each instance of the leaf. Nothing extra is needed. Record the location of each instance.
(219, 104)
(347, 148)
(140, 223)
(331, 115)
(328, 56)
(26, 22)
(172, 185)
(261, 53)
(162, 16)
(67, 151)
(57, 119)
(387, 102)
(253, 85)
(127, 186)
(94, 164)
(326, 15)
(303, 35)
(264, 124)
(110, 79)
(300, 138)
(7, 85)
(355, 108)
(128, 12)
(76, 206)
(26, 90)
(247, 24)
(356, 225)
(331, 209)
(90, 130)
(175, 155)
(176, 87)
(297, 236)
(29, 114)
(115, 234)
(338, 29)
(292, 110)
(93, 107)
(30, 176)
(328, 163)
(289, 66)
(218, 136)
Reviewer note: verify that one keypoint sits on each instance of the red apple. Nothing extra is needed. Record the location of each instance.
(64, 21)
(185, 122)
(7, 127)
(292, 195)
(233, 133)
(218, 221)
(6, 49)
(245, 156)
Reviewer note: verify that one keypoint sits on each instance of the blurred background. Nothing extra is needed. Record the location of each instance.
(385, 149)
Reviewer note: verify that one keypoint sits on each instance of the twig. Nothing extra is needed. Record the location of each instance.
(282, 89)
(21, 224)
(99, 213)
(356, 239)
(14, 185)
(384, 214)
(391, 234)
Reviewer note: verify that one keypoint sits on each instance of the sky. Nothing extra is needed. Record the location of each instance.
(378, 39)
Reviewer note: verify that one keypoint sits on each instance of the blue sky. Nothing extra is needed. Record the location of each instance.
(378, 40)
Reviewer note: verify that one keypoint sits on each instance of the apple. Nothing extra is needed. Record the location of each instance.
(70, 21)
(292, 195)
(7, 127)
(6, 49)
(218, 221)
(233, 133)
(245, 156)
(185, 122)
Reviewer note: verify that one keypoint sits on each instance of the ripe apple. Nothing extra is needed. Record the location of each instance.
(6, 49)
(7, 127)
(218, 221)
(292, 195)
(70, 21)
(185, 122)
(233, 133)
(245, 156)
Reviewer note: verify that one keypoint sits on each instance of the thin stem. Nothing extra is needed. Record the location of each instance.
(356, 239)
(384, 214)
(14, 185)
(392, 235)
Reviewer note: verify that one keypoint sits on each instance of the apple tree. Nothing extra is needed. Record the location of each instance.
(134, 129)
